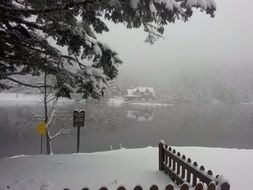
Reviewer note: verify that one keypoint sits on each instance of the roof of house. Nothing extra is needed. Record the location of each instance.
(141, 89)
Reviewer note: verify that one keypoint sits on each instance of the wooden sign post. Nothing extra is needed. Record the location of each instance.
(78, 121)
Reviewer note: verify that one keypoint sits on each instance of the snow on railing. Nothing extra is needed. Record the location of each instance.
(184, 186)
(183, 171)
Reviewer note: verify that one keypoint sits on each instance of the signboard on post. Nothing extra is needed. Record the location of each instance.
(78, 121)
(41, 130)
(78, 118)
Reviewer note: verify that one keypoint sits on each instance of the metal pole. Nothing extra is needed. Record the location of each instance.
(78, 140)
(41, 143)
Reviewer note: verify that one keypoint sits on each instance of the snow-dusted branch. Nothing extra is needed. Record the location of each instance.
(79, 63)
(61, 131)
(152, 30)
(38, 116)
(49, 92)
(51, 117)
(64, 6)
(27, 23)
(52, 99)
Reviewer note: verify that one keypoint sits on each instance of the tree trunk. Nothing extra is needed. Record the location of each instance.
(48, 139)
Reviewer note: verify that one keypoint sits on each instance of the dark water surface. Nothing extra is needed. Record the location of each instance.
(209, 125)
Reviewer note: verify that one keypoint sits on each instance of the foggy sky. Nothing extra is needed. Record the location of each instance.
(201, 43)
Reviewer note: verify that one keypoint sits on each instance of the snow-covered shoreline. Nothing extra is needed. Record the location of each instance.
(19, 99)
(128, 167)
(119, 101)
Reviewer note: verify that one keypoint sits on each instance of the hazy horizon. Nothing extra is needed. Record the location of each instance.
(201, 44)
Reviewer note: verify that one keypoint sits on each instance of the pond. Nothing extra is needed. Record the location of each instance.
(129, 126)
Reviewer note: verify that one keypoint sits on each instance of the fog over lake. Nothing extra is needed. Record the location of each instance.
(209, 125)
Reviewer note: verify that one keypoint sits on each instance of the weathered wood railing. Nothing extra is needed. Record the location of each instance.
(182, 170)
(199, 186)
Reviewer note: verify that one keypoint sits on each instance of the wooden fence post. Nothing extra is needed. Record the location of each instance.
(184, 187)
(121, 188)
(199, 186)
(161, 155)
(169, 187)
(181, 170)
(138, 187)
(225, 186)
(211, 186)
(154, 187)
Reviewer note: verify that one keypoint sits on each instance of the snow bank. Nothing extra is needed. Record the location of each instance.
(119, 101)
(151, 104)
(19, 99)
(114, 168)
(75, 171)
(116, 101)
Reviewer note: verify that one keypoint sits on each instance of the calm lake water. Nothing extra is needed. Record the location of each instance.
(209, 125)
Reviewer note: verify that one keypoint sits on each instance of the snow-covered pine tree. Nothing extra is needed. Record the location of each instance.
(32, 32)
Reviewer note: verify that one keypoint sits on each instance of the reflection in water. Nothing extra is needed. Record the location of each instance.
(141, 114)
(216, 125)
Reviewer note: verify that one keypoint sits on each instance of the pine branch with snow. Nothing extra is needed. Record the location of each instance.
(33, 35)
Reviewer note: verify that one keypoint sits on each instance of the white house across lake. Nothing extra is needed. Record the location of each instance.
(140, 93)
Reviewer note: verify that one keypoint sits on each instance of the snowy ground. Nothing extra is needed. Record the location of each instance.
(151, 104)
(116, 101)
(18, 99)
(126, 167)
(119, 101)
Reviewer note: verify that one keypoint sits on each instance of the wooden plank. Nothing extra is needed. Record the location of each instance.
(183, 172)
(178, 168)
(194, 179)
(188, 176)
(173, 165)
(199, 175)
(174, 176)
(161, 156)
(170, 162)
(191, 173)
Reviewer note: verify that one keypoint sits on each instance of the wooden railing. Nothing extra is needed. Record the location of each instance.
(199, 186)
(182, 170)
